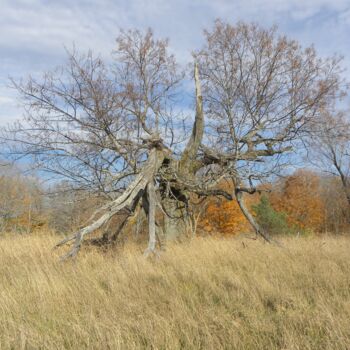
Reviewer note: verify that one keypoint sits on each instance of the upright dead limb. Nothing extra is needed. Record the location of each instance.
(188, 163)
(175, 203)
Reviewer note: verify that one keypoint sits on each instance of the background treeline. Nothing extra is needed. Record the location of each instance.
(27, 205)
(301, 203)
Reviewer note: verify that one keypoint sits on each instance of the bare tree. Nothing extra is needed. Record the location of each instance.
(114, 130)
(329, 147)
(20, 201)
(261, 92)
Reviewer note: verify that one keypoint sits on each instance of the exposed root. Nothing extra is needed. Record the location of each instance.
(128, 199)
(76, 247)
(148, 253)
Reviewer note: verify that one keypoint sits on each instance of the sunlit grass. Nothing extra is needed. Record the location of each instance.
(206, 294)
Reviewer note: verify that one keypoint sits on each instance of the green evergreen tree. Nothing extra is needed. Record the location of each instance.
(270, 220)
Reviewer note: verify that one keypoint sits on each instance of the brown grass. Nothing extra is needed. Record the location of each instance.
(207, 294)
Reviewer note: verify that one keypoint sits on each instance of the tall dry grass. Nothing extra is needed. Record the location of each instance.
(207, 294)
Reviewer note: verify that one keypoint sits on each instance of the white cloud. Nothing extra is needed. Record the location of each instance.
(34, 32)
(45, 26)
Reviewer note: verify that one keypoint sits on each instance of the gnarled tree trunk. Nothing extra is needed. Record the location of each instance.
(175, 220)
(176, 205)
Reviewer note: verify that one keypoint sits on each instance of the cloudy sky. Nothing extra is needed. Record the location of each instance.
(33, 33)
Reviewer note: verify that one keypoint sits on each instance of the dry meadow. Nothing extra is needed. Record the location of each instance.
(204, 294)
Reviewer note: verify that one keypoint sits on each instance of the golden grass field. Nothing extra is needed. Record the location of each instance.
(205, 294)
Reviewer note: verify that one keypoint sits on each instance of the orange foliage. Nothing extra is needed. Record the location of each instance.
(224, 217)
(299, 196)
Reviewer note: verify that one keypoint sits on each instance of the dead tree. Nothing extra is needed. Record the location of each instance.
(113, 130)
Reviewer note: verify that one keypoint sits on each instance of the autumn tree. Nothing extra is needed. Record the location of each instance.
(299, 196)
(220, 216)
(115, 130)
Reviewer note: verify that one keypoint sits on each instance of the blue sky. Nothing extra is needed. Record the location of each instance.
(33, 33)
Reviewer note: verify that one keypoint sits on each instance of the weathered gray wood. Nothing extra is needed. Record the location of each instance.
(151, 197)
(140, 183)
(188, 161)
